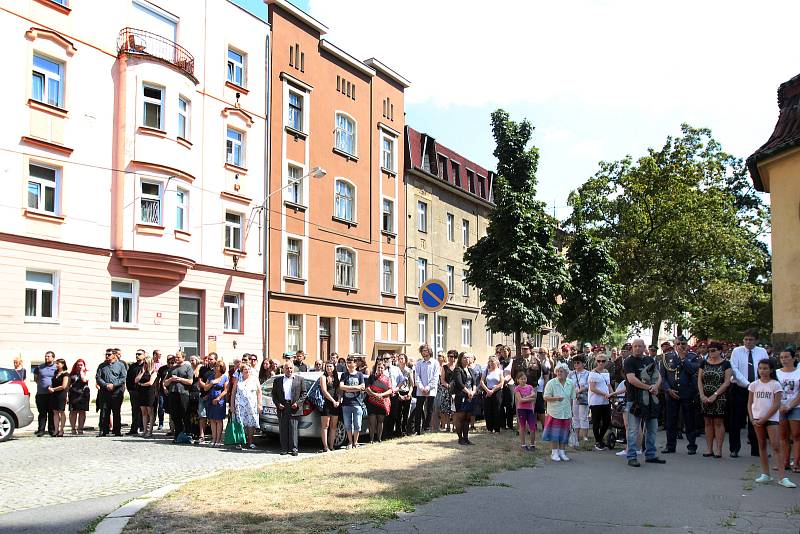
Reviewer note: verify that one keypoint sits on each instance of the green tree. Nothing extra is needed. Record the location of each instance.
(592, 302)
(684, 223)
(516, 265)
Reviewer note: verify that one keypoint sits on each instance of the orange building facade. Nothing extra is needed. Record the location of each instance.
(336, 239)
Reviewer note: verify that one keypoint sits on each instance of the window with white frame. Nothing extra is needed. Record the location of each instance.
(387, 216)
(294, 191)
(47, 86)
(422, 327)
(465, 232)
(236, 67)
(451, 279)
(466, 332)
(150, 203)
(345, 200)
(345, 275)
(388, 277)
(450, 227)
(40, 295)
(183, 117)
(123, 301)
(356, 337)
(294, 333)
(422, 271)
(232, 303)
(441, 334)
(294, 258)
(464, 283)
(233, 230)
(295, 115)
(387, 154)
(234, 147)
(43, 188)
(153, 102)
(345, 134)
(181, 209)
(422, 216)
(489, 337)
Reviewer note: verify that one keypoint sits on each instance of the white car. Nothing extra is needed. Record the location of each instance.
(15, 403)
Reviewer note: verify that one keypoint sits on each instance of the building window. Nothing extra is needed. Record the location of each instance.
(450, 230)
(40, 295)
(422, 327)
(489, 338)
(345, 134)
(183, 117)
(345, 268)
(456, 173)
(345, 200)
(153, 113)
(451, 279)
(233, 313)
(356, 337)
(387, 154)
(236, 67)
(471, 183)
(464, 284)
(442, 165)
(465, 232)
(422, 271)
(387, 216)
(42, 188)
(470, 177)
(233, 231)
(294, 191)
(151, 203)
(422, 216)
(466, 332)
(294, 258)
(123, 298)
(46, 84)
(181, 209)
(388, 276)
(294, 333)
(441, 334)
(482, 186)
(295, 111)
(234, 148)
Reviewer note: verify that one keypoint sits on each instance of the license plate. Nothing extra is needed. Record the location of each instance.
(270, 410)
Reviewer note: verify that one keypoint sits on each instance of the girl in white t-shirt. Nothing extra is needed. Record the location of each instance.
(599, 388)
(763, 403)
(789, 378)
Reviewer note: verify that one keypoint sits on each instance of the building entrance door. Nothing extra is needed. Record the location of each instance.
(189, 325)
(324, 338)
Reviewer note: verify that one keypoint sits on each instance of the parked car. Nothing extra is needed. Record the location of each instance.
(310, 424)
(15, 403)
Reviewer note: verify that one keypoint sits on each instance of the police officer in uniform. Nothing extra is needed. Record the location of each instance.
(679, 381)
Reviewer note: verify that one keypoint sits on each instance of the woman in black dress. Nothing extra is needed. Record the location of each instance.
(329, 386)
(58, 396)
(145, 383)
(79, 394)
(713, 380)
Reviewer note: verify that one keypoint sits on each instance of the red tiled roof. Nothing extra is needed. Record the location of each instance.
(787, 130)
(420, 144)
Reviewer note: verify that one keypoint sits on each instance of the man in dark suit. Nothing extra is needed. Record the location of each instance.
(288, 394)
(679, 381)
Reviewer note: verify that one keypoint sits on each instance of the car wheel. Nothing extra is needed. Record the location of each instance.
(7, 426)
(341, 435)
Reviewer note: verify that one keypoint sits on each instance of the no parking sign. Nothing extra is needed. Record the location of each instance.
(433, 295)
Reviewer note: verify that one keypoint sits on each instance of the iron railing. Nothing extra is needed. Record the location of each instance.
(144, 43)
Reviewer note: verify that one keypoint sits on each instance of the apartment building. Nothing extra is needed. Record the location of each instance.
(336, 236)
(133, 161)
(448, 199)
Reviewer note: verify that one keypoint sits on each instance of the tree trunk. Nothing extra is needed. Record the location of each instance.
(518, 342)
(656, 331)
(678, 330)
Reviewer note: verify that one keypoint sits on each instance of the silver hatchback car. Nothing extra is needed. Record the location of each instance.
(310, 424)
(15, 403)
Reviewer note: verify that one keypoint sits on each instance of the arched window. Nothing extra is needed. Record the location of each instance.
(344, 200)
(345, 134)
(345, 267)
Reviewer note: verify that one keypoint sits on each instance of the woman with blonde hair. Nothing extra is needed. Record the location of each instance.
(491, 382)
(145, 384)
(19, 368)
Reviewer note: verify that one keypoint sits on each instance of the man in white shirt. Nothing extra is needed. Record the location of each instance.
(744, 365)
(426, 371)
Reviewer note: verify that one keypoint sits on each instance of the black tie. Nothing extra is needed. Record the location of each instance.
(751, 372)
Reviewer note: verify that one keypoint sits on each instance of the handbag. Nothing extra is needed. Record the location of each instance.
(573, 438)
(234, 432)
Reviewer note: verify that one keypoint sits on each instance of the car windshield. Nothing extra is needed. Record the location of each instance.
(7, 375)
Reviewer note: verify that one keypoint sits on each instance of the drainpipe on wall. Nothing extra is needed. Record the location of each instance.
(267, 160)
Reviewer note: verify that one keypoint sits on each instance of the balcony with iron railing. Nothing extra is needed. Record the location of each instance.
(132, 41)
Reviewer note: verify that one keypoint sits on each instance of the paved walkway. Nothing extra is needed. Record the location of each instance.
(598, 492)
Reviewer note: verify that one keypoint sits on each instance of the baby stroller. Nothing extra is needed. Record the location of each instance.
(616, 434)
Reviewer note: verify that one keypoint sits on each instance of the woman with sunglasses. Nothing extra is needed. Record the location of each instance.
(599, 407)
(713, 380)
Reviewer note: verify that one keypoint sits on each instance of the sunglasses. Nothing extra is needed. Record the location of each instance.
(602, 361)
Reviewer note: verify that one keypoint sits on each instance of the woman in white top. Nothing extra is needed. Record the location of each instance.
(580, 406)
(599, 388)
(789, 377)
(492, 386)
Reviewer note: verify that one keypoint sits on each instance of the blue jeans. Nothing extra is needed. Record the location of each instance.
(351, 417)
(650, 429)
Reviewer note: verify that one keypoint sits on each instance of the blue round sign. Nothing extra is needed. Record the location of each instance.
(433, 295)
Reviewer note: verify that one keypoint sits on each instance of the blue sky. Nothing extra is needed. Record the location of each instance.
(599, 79)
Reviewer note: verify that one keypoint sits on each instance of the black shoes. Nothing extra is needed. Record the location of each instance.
(667, 451)
(634, 463)
(655, 460)
(692, 452)
(735, 454)
(294, 452)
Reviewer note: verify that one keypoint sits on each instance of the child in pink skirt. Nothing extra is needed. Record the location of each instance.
(525, 395)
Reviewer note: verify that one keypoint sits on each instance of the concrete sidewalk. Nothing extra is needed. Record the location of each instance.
(597, 490)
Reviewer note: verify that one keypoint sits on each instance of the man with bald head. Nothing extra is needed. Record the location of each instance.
(642, 384)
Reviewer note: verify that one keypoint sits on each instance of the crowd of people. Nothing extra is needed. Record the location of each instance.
(707, 389)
